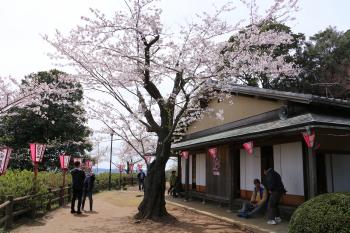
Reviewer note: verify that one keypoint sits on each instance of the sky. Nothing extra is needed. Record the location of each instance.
(22, 22)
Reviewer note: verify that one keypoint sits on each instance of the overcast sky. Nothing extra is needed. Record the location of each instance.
(22, 50)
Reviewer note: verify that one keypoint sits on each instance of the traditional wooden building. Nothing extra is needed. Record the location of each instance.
(305, 138)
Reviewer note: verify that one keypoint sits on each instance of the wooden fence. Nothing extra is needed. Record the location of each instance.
(33, 205)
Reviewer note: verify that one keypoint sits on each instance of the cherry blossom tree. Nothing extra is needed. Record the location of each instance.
(151, 78)
(31, 92)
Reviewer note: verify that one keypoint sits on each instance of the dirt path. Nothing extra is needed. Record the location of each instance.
(114, 211)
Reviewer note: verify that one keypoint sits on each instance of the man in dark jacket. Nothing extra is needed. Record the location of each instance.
(78, 177)
(141, 178)
(88, 188)
(276, 189)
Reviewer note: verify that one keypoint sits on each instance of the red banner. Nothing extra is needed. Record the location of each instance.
(249, 147)
(37, 152)
(64, 161)
(5, 154)
(184, 154)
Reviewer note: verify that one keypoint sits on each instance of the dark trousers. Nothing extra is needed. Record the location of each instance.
(272, 206)
(141, 185)
(89, 195)
(171, 189)
(77, 194)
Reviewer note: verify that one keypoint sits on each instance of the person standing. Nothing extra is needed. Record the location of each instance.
(172, 182)
(78, 177)
(88, 188)
(141, 178)
(276, 189)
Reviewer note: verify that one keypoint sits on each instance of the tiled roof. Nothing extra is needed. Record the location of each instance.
(284, 95)
(278, 125)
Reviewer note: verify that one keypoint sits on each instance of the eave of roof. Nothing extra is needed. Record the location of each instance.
(278, 125)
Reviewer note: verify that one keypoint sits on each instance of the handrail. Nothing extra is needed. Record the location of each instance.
(3, 205)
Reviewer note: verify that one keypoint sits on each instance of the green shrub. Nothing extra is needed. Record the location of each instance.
(20, 183)
(327, 213)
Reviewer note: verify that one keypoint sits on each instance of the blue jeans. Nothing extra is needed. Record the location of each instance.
(251, 210)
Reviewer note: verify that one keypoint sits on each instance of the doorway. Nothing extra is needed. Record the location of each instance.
(266, 159)
(194, 163)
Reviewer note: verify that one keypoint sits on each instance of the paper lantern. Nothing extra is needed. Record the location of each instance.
(64, 161)
(184, 154)
(5, 153)
(88, 164)
(309, 138)
(148, 158)
(213, 152)
(131, 167)
(248, 146)
(121, 167)
(37, 152)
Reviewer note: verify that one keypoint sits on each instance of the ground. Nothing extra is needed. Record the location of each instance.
(114, 212)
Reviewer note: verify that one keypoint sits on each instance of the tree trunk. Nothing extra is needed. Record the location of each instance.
(153, 203)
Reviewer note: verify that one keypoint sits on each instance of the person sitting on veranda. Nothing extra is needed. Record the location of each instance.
(257, 202)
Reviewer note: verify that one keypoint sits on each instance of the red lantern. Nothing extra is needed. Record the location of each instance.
(88, 164)
(131, 167)
(309, 138)
(5, 153)
(121, 167)
(139, 166)
(213, 152)
(248, 146)
(64, 161)
(148, 158)
(184, 154)
(37, 152)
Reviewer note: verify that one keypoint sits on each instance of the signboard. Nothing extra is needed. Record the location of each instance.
(213, 153)
(37, 152)
(5, 154)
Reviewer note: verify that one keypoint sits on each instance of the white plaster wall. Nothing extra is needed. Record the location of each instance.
(250, 168)
(200, 169)
(339, 163)
(288, 162)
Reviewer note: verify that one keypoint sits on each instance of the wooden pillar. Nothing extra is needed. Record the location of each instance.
(187, 178)
(179, 169)
(312, 173)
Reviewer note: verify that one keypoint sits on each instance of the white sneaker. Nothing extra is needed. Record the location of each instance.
(278, 220)
(271, 222)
